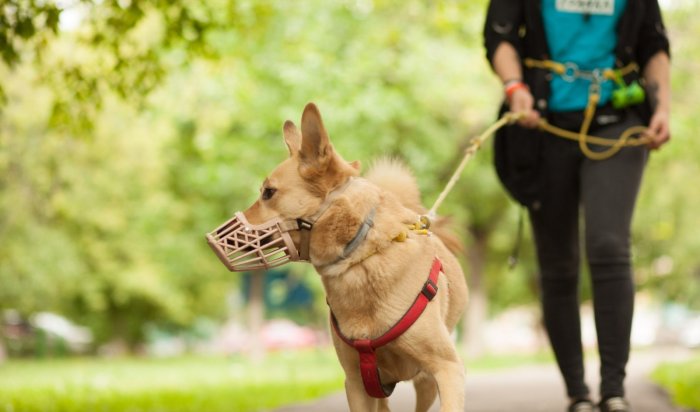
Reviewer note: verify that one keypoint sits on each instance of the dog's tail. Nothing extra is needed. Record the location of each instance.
(393, 176)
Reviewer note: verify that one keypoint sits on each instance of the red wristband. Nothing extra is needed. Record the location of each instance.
(512, 87)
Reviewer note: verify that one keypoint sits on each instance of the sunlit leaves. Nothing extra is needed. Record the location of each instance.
(21, 21)
(126, 138)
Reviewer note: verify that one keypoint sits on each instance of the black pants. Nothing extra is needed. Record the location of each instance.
(604, 193)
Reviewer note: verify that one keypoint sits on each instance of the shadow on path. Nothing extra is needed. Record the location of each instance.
(536, 388)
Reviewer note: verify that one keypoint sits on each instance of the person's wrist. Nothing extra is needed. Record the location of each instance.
(662, 108)
(512, 86)
(509, 82)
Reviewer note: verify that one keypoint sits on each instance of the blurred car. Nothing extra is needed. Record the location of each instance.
(285, 334)
(77, 338)
(44, 333)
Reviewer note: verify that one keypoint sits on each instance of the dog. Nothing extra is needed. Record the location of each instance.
(365, 239)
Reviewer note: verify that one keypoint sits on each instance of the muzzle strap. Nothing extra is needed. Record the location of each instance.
(305, 225)
(288, 225)
(305, 240)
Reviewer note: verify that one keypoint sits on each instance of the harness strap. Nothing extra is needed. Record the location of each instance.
(370, 372)
(366, 347)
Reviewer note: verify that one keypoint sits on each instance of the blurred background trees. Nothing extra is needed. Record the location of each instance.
(130, 128)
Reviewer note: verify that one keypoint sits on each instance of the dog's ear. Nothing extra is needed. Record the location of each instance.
(292, 138)
(316, 148)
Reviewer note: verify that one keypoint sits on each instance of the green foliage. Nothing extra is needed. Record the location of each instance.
(666, 241)
(126, 138)
(682, 381)
(122, 220)
(24, 21)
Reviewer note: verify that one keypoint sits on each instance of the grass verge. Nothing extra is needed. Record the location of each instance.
(167, 385)
(682, 381)
(188, 384)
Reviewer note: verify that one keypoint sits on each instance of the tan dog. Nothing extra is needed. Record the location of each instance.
(370, 285)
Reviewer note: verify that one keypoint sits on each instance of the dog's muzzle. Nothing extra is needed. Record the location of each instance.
(242, 246)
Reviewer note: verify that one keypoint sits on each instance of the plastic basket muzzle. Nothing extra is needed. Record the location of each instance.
(242, 246)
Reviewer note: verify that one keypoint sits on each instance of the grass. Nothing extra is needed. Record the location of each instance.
(682, 381)
(493, 362)
(188, 384)
(172, 385)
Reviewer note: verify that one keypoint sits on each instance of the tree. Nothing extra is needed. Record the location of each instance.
(125, 138)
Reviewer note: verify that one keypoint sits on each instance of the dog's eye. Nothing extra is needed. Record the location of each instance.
(268, 192)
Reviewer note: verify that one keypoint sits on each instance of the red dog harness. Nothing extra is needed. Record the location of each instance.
(366, 347)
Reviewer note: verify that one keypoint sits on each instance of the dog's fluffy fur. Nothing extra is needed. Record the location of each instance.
(374, 286)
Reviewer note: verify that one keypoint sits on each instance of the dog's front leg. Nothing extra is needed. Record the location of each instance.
(358, 399)
(449, 375)
(426, 391)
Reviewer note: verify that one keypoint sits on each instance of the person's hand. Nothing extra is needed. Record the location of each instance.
(659, 128)
(521, 101)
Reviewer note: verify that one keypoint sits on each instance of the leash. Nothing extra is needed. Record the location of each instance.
(632, 137)
(509, 118)
(469, 152)
(622, 97)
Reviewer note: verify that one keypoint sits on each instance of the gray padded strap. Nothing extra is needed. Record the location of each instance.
(361, 234)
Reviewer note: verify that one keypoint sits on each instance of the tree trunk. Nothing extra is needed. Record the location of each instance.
(3, 353)
(256, 314)
(476, 314)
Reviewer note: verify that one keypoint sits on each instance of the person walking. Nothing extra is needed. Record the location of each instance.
(594, 67)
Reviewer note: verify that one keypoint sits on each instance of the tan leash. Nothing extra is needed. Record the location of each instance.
(469, 152)
(570, 72)
(625, 140)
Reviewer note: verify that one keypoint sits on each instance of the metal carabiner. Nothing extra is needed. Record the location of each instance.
(571, 72)
(597, 77)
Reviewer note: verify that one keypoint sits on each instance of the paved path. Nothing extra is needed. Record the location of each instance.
(527, 389)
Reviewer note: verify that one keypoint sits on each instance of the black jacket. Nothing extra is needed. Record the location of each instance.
(641, 34)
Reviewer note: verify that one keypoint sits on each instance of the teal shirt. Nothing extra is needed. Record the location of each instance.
(584, 33)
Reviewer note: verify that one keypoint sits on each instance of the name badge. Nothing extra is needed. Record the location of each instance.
(605, 7)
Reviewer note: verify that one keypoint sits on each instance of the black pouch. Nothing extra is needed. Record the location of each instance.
(571, 121)
(517, 159)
